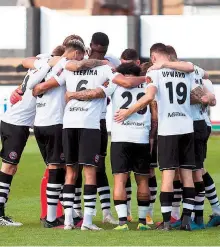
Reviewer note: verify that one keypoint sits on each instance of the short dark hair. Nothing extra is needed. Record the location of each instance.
(59, 50)
(100, 38)
(172, 52)
(159, 48)
(76, 45)
(129, 69)
(129, 54)
(71, 37)
(144, 67)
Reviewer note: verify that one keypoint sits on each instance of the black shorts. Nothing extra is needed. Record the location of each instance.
(104, 137)
(209, 130)
(127, 157)
(200, 137)
(14, 139)
(154, 155)
(81, 146)
(176, 151)
(49, 140)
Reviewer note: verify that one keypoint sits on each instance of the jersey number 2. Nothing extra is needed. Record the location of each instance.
(128, 95)
(181, 91)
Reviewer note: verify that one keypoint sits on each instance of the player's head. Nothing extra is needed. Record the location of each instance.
(72, 37)
(130, 55)
(58, 51)
(144, 67)
(129, 69)
(74, 49)
(158, 52)
(99, 43)
(172, 53)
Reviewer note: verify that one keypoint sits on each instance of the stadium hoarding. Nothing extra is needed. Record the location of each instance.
(55, 26)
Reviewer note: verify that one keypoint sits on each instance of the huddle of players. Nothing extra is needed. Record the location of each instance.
(88, 84)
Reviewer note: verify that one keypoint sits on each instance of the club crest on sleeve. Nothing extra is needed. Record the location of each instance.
(105, 84)
(59, 72)
(148, 80)
(13, 155)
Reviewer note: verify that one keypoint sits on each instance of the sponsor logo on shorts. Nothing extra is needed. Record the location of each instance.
(13, 155)
(176, 114)
(96, 158)
(62, 156)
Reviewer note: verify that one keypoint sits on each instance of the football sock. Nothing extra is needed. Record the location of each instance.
(177, 190)
(199, 202)
(5, 183)
(90, 194)
(143, 207)
(129, 194)
(43, 195)
(166, 199)
(188, 204)
(122, 211)
(153, 193)
(78, 193)
(68, 200)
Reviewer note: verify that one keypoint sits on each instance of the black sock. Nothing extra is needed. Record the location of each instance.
(153, 189)
(199, 201)
(166, 199)
(188, 204)
(5, 183)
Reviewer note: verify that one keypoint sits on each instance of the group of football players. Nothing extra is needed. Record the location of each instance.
(159, 116)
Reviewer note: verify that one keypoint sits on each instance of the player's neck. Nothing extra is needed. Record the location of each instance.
(97, 55)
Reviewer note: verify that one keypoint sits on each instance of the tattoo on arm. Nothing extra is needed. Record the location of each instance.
(154, 119)
(89, 64)
(196, 95)
(88, 94)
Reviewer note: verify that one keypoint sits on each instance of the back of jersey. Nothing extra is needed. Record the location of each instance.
(136, 128)
(173, 97)
(85, 114)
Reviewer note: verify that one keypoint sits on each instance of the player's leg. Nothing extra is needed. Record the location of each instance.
(187, 163)
(89, 148)
(210, 190)
(168, 158)
(70, 139)
(200, 134)
(177, 189)
(120, 163)
(141, 167)
(102, 179)
(129, 195)
(78, 193)
(13, 139)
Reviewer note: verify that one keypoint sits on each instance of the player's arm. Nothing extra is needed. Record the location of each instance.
(45, 86)
(85, 64)
(198, 96)
(88, 94)
(178, 65)
(211, 96)
(154, 122)
(16, 95)
(128, 82)
(123, 114)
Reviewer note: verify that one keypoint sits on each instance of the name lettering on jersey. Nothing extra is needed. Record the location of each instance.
(41, 105)
(176, 114)
(198, 81)
(173, 74)
(86, 72)
(140, 86)
(129, 123)
(78, 109)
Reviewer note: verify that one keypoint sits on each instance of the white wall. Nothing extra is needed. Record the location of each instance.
(55, 26)
(190, 35)
(13, 27)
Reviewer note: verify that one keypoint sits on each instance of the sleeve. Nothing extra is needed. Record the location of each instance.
(108, 87)
(152, 78)
(199, 71)
(60, 78)
(38, 76)
(58, 72)
(40, 62)
(208, 84)
(109, 73)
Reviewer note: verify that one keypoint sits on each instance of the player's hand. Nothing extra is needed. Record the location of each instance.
(156, 66)
(205, 99)
(68, 96)
(16, 96)
(121, 115)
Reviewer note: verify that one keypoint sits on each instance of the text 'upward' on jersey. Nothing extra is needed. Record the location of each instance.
(173, 98)
(84, 114)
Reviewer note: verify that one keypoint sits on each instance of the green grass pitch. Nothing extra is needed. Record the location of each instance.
(24, 204)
